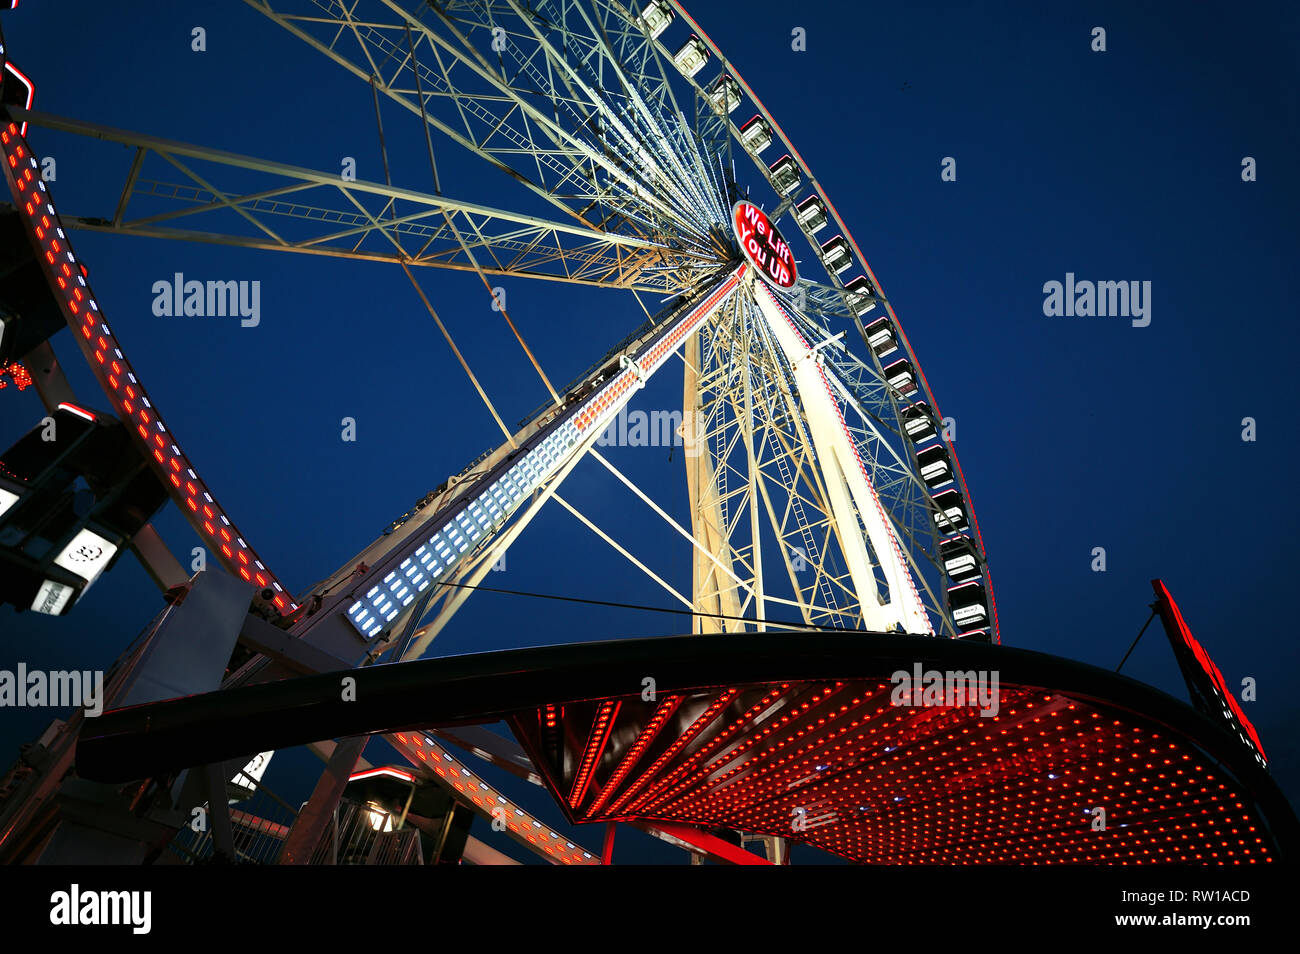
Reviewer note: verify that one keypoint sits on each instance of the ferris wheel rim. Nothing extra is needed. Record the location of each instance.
(763, 111)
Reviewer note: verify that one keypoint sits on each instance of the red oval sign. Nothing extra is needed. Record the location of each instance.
(762, 245)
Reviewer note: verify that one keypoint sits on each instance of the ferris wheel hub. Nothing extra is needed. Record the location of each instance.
(761, 244)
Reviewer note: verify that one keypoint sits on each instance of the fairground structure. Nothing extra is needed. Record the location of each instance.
(830, 536)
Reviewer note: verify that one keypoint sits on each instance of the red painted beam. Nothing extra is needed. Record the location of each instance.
(607, 854)
(711, 845)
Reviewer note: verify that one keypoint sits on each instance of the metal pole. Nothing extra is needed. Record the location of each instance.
(607, 853)
(315, 815)
(223, 833)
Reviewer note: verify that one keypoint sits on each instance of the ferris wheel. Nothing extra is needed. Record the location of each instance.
(824, 488)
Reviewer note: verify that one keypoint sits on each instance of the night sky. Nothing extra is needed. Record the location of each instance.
(1074, 433)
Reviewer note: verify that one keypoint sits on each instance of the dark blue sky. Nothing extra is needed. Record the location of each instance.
(1074, 432)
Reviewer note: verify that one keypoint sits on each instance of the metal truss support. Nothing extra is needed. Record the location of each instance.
(317, 814)
(283, 207)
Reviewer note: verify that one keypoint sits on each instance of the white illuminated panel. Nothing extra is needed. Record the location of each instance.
(253, 771)
(52, 597)
(7, 500)
(87, 555)
(480, 517)
(461, 532)
(960, 565)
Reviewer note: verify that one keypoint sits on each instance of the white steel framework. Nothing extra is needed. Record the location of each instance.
(823, 491)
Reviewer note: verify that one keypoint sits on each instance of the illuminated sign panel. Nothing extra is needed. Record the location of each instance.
(252, 773)
(52, 598)
(87, 555)
(762, 245)
(1205, 682)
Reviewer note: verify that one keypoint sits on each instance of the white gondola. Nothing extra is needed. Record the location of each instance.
(756, 135)
(785, 175)
(881, 337)
(968, 605)
(862, 295)
(811, 214)
(836, 255)
(936, 466)
(951, 515)
(655, 17)
(918, 423)
(692, 56)
(52, 548)
(900, 377)
(724, 94)
(976, 636)
(961, 558)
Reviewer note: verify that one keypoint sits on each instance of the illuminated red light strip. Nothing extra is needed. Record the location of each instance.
(696, 727)
(857, 456)
(22, 79)
(485, 799)
(705, 750)
(801, 766)
(389, 772)
(812, 754)
(116, 376)
(79, 411)
(791, 718)
(656, 722)
(649, 361)
(601, 727)
(733, 791)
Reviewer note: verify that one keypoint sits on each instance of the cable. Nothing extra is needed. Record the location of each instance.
(1135, 642)
(650, 609)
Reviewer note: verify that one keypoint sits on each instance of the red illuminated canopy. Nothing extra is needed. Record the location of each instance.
(836, 764)
(805, 736)
(1204, 680)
